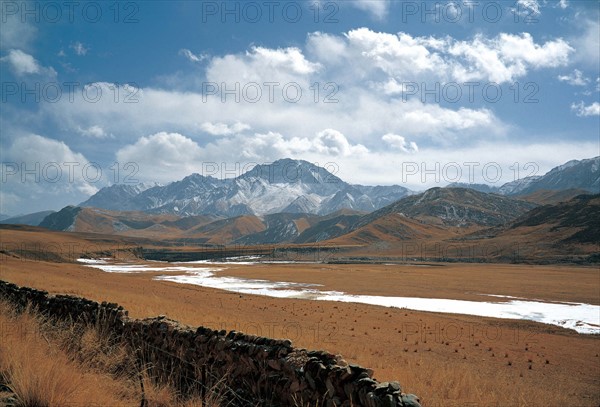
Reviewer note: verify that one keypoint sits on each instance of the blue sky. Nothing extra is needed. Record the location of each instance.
(131, 92)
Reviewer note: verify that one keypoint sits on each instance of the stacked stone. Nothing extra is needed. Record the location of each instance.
(252, 368)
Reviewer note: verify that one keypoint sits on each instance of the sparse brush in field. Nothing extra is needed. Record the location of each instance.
(39, 373)
(53, 363)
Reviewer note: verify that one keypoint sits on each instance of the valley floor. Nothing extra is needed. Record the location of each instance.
(449, 360)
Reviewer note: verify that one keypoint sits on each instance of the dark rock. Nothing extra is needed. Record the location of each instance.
(388, 401)
(410, 400)
(394, 387)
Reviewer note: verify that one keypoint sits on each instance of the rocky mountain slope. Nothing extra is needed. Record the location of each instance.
(438, 214)
(439, 224)
(439, 208)
(575, 174)
(574, 221)
(583, 174)
(116, 197)
(290, 186)
(547, 197)
(62, 220)
(454, 207)
(295, 202)
(141, 224)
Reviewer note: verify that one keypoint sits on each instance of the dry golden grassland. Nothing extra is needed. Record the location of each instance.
(448, 360)
(42, 374)
(56, 364)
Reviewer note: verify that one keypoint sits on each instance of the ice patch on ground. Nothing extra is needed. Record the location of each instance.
(583, 318)
(103, 265)
(93, 261)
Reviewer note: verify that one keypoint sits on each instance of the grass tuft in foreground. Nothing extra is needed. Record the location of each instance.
(46, 363)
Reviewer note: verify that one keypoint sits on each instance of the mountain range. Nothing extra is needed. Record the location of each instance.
(285, 186)
(32, 219)
(297, 186)
(440, 223)
(443, 212)
(295, 202)
(583, 175)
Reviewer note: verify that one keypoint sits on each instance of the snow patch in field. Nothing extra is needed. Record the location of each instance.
(583, 318)
(103, 265)
(235, 260)
(93, 261)
(206, 278)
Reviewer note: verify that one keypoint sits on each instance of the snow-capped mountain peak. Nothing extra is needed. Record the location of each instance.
(285, 185)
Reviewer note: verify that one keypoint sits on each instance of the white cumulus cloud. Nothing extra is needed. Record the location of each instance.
(399, 143)
(79, 48)
(94, 131)
(527, 7)
(22, 63)
(575, 78)
(38, 171)
(505, 57)
(582, 110)
(224, 129)
(260, 65)
(162, 156)
(377, 8)
(364, 53)
(169, 131)
(332, 142)
(14, 32)
(191, 56)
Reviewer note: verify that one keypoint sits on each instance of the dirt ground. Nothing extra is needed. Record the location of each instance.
(448, 360)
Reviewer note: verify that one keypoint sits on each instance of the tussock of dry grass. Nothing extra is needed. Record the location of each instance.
(41, 374)
(49, 363)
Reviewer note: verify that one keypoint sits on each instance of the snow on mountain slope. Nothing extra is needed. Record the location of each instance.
(297, 186)
(284, 186)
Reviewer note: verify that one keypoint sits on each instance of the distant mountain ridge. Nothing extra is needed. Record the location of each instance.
(581, 215)
(457, 207)
(440, 223)
(291, 186)
(440, 208)
(62, 220)
(31, 219)
(297, 186)
(583, 174)
(211, 230)
(574, 174)
(114, 196)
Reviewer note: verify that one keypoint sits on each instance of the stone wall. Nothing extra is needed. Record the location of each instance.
(252, 370)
